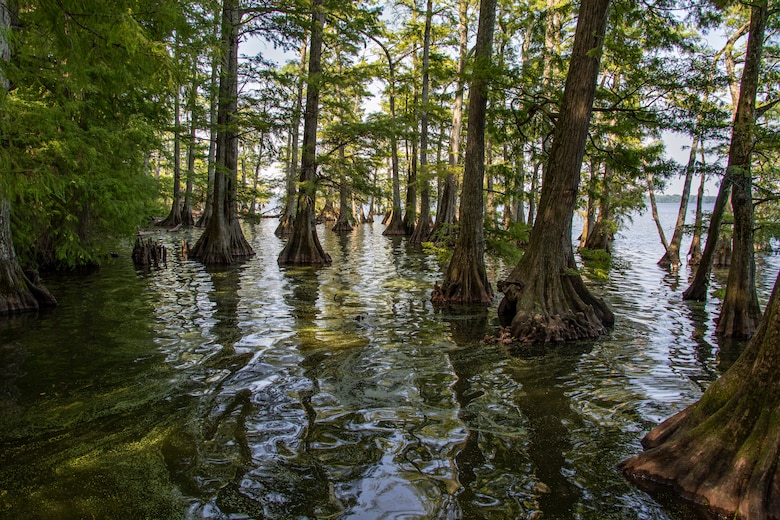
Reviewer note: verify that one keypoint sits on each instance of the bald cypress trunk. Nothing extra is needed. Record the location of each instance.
(223, 241)
(443, 230)
(422, 230)
(545, 299)
(285, 227)
(466, 278)
(722, 451)
(18, 293)
(174, 216)
(303, 247)
(740, 311)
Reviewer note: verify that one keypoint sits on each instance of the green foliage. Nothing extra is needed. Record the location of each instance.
(505, 244)
(443, 254)
(78, 123)
(597, 263)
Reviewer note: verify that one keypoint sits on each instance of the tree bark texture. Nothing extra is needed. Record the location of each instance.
(600, 234)
(208, 208)
(223, 241)
(303, 247)
(187, 219)
(174, 216)
(545, 299)
(346, 217)
(722, 452)
(694, 251)
(697, 290)
(466, 279)
(422, 230)
(740, 312)
(395, 223)
(740, 308)
(443, 230)
(18, 292)
(285, 227)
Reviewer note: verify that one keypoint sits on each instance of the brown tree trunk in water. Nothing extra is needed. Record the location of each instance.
(654, 210)
(600, 235)
(443, 230)
(722, 451)
(701, 279)
(346, 216)
(466, 279)
(740, 312)
(211, 166)
(545, 299)
(422, 230)
(738, 164)
(671, 256)
(410, 215)
(303, 247)
(393, 219)
(174, 216)
(223, 241)
(187, 219)
(694, 252)
(285, 227)
(18, 293)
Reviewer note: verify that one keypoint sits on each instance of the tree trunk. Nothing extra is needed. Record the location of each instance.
(422, 230)
(466, 279)
(18, 293)
(600, 235)
(444, 229)
(346, 215)
(532, 194)
(701, 279)
(545, 299)
(395, 223)
(694, 251)
(740, 311)
(223, 241)
(303, 247)
(211, 166)
(671, 256)
(656, 218)
(285, 227)
(187, 219)
(590, 208)
(410, 215)
(722, 451)
(174, 217)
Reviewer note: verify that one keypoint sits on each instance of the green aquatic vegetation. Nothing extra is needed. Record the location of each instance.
(597, 263)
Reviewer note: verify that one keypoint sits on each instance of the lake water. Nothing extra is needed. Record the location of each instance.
(260, 392)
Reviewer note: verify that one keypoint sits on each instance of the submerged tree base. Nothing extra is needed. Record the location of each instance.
(562, 311)
(722, 452)
(396, 227)
(221, 247)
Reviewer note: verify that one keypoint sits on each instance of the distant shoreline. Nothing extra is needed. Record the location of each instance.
(707, 199)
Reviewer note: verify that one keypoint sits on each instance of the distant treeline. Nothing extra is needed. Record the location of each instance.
(709, 199)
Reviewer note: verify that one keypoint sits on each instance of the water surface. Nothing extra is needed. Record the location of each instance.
(260, 392)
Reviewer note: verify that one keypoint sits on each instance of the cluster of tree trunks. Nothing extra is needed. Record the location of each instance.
(222, 241)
